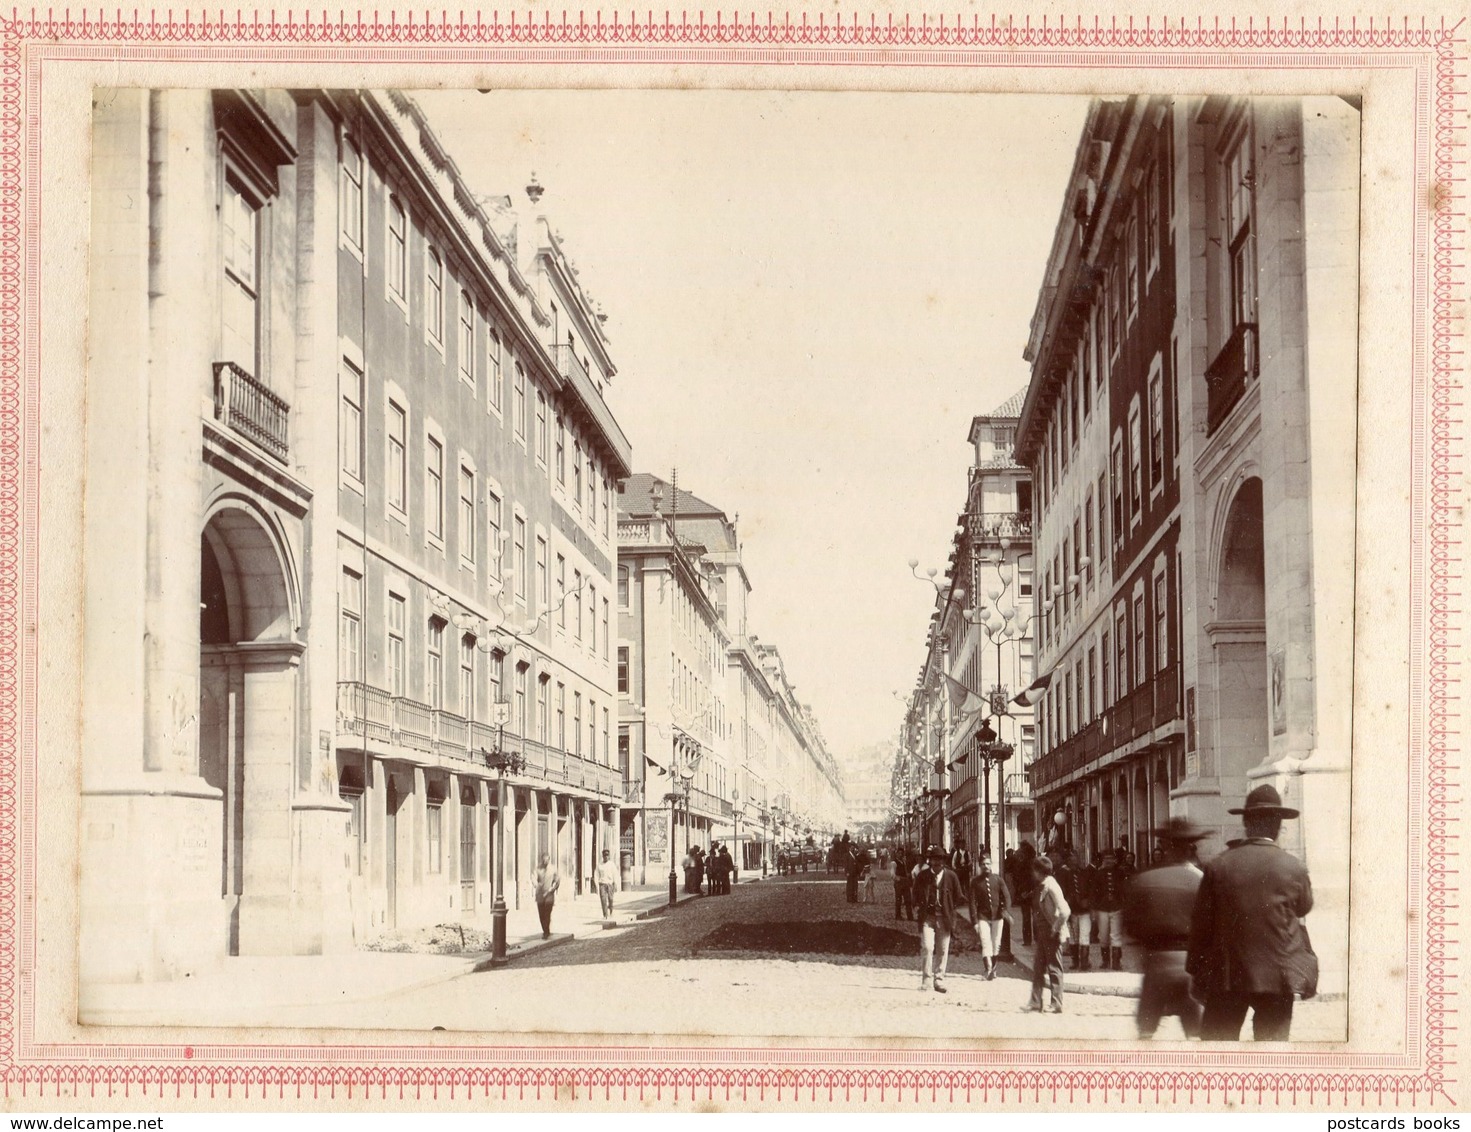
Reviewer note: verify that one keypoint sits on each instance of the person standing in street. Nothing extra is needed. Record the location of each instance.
(727, 869)
(1079, 893)
(989, 904)
(607, 882)
(1157, 910)
(937, 893)
(1050, 931)
(547, 882)
(1108, 904)
(903, 900)
(1248, 947)
(960, 862)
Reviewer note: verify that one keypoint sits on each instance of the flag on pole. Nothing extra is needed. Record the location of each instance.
(962, 699)
(1033, 692)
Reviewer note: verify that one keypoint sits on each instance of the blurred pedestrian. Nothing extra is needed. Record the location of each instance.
(1248, 947)
(547, 881)
(866, 875)
(960, 861)
(1050, 931)
(607, 882)
(1157, 909)
(727, 870)
(937, 893)
(990, 901)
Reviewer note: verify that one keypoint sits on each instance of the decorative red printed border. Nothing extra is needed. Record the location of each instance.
(640, 1079)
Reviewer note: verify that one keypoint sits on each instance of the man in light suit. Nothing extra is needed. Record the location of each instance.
(1248, 948)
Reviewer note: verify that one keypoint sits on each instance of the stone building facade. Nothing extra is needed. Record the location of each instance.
(351, 482)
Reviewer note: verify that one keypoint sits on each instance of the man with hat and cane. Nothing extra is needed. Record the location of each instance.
(1248, 948)
(937, 894)
(1157, 908)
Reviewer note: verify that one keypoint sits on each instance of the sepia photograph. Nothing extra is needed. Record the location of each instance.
(971, 618)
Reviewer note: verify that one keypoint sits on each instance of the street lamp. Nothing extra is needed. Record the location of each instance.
(1003, 624)
(735, 813)
(502, 762)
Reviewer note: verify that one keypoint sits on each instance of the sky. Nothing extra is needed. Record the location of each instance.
(809, 296)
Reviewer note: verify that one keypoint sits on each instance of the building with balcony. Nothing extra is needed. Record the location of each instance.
(1192, 356)
(713, 742)
(968, 739)
(370, 406)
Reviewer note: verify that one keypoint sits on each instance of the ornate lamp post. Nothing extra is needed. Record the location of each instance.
(735, 813)
(672, 798)
(502, 762)
(946, 593)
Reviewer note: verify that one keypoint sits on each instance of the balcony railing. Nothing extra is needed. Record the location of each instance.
(1152, 704)
(704, 802)
(401, 722)
(1001, 524)
(244, 405)
(570, 366)
(1228, 376)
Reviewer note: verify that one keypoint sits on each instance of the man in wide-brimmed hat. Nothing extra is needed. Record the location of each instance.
(1157, 909)
(1248, 948)
(937, 894)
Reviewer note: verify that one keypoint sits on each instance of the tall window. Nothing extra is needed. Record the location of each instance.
(518, 405)
(541, 427)
(434, 487)
(350, 421)
(622, 669)
(518, 558)
(1121, 641)
(397, 622)
(518, 706)
(467, 676)
(1240, 183)
(561, 450)
(1115, 303)
(592, 491)
(434, 295)
(398, 249)
(561, 591)
(350, 194)
(434, 668)
(434, 832)
(543, 580)
(1102, 513)
(350, 627)
(493, 374)
(592, 728)
(1105, 689)
(240, 298)
(1141, 635)
(467, 337)
(592, 616)
(561, 716)
(497, 676)
(493, 546)
(623, 587)
(577, 723)
(1161, 623)
(1151, 221)
(1089, 549)
(607, 507)
(467, 514)
(398, 436)
(1156, 425)
(577, 602)
(606, 635)
(1136, 460)
(542, 691)
(606, 737)
(1131, 271)
(577, 474)
(1092, 683)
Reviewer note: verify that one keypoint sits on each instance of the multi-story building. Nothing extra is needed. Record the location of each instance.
(966, 720)
(372, 408)
(1191, 350)
(712, 739)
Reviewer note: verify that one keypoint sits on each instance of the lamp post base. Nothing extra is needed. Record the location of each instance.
(673, 888)
(498, 930)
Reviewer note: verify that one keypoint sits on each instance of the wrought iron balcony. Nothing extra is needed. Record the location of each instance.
(244, 405)
(1152, 704)
(998, 525)
(1235, 367)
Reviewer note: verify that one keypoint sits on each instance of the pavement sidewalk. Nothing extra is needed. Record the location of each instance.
(272, 982)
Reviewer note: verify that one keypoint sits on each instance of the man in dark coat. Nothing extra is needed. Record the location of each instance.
(903, 901)
(1157, 910)
(1248, 948)
(1108, 904)
(990, 901)
(937, 894)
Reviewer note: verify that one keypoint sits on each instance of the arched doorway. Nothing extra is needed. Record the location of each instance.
(248, 725)
(1239, 639)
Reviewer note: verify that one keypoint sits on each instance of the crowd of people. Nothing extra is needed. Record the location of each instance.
(1220, 939)
(710, 872)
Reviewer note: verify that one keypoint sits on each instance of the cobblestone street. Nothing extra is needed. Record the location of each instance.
(725, 967)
